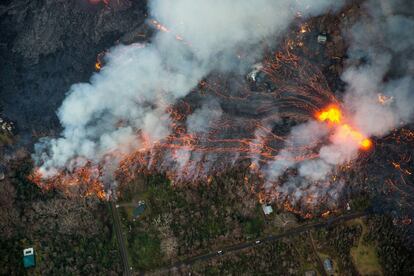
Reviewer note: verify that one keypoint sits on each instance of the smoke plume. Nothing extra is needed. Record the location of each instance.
(128, 98)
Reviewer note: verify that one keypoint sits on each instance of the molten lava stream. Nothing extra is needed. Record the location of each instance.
(333, 116)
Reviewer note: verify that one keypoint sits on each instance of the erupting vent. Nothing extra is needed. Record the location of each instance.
(333, 115)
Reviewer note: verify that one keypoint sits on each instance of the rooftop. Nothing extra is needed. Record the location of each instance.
(267, 209)
(28, 257)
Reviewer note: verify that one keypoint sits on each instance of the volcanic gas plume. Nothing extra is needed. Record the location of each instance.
(181, 104)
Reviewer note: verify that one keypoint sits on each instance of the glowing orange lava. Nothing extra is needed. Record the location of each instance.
(334, 116)
(82, 181)
(98, 66)
(346, 132)
(366, 143)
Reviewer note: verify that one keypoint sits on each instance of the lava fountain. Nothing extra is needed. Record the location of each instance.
(333, 115)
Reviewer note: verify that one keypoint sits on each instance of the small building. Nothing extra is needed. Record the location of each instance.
(253, 75)
(327, 264)
(322, 38)
(267, 209)
(29, 257)
(139, 209)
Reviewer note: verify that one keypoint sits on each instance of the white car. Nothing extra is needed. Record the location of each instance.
(258, 241)
(220, 252)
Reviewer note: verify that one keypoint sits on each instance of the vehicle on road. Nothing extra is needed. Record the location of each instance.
(258, 241)
(220, 252)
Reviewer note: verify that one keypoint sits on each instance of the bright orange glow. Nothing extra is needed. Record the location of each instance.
(84, 181)
(383, 99)
(326, 214)
(98, 66)
(346, 132)
(333, 115)
(366, 143)
(304, 28)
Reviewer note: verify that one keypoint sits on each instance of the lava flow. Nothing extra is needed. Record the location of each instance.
(344, 131)
(252, 129)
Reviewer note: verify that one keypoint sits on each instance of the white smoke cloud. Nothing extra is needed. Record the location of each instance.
(217, 28)
(307, 134)
(301, 141)
(283, 161)
(314, 169)
(385, 38)
(202, 119)
(130, 94)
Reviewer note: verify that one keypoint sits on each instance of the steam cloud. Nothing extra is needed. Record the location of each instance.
(201, 119)
(381, 63)
(130, 94)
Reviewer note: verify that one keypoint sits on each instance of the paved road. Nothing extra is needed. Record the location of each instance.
(120, 238)
(244, 245)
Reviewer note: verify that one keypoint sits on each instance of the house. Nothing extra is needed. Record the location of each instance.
(327, 264)
(252, 76)
(29, 257)
(267, 209)
(322, 38)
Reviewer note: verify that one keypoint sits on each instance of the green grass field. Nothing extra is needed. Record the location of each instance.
(365, 256)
